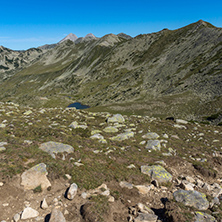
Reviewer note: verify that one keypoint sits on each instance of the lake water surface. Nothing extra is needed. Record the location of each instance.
(78, 105)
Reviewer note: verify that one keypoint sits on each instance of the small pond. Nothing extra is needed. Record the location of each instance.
(78, 105)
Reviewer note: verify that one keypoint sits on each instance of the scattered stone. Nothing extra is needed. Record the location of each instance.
(72, 191)
(2, 125)
(123, 136)
(185, 185)
(143, 142)
(116, 118)
(165, 136)
(44, 204)
(34, 177)
(1, 184)
(204, 217)
(110, 129)
(95, 132)
(142, 217)
(192, 198)
(151, 136)
(143, 189)
(16, 218)
(180, 121)
(29, 142)
(179, 126)
(2, 148)
(144, 209)
(97, 136)
(3, 144)
(29, 213)
(111, 199)
(68, 176)
(153, 145)
(126, 185)
(75, 125)
(27, 113)
(57, 216)
(55, 147)
(157, 172)
(131, 166)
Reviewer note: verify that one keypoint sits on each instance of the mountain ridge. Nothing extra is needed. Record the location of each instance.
(155, 72)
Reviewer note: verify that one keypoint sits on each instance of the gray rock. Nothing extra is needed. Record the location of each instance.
(179, 126)
(123, 136)
(55, 147)
(126, 185)
(204, 217)
(153, 145)
(44, 204)
(34, 177)
(57, 216)
(75, 125)
(97, 136)
(72, 191)
(181, 121)
(110, 129)
(143, 217)
(117, 118)
(192, 198)
(16, 218)
(3, 144)
(29, 213)
(151, 136)
(157, 172)
(2, 148)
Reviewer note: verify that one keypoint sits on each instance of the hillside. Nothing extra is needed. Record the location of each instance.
(168, 73)
(76, 165)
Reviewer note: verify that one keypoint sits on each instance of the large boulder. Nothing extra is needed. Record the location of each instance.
(117, 118)
(157, 172)
(34, 177)
(55, 147)
(192, 198)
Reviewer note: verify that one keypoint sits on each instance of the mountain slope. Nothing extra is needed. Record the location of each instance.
(165, 73)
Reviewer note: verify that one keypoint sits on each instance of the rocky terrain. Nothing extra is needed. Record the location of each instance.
(63, 164)
(167, 73)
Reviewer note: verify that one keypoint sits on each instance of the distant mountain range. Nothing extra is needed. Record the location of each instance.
(167, 73)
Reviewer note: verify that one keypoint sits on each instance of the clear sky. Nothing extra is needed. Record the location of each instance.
(32, 23)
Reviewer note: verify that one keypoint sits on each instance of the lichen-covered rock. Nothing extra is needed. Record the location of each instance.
(117, 118)
(192, 198)
(75, 125)
(123, 136)
(153, 145)
(34, 177)
(157, 172)
(151, 136)
(110, 129)
(204, 217)
(55, 147)
(97, 136)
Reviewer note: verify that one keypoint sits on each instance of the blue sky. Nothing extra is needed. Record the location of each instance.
(25, 24)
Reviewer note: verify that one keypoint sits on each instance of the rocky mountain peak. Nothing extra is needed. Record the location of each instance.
(90, 35)
(71, 37)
